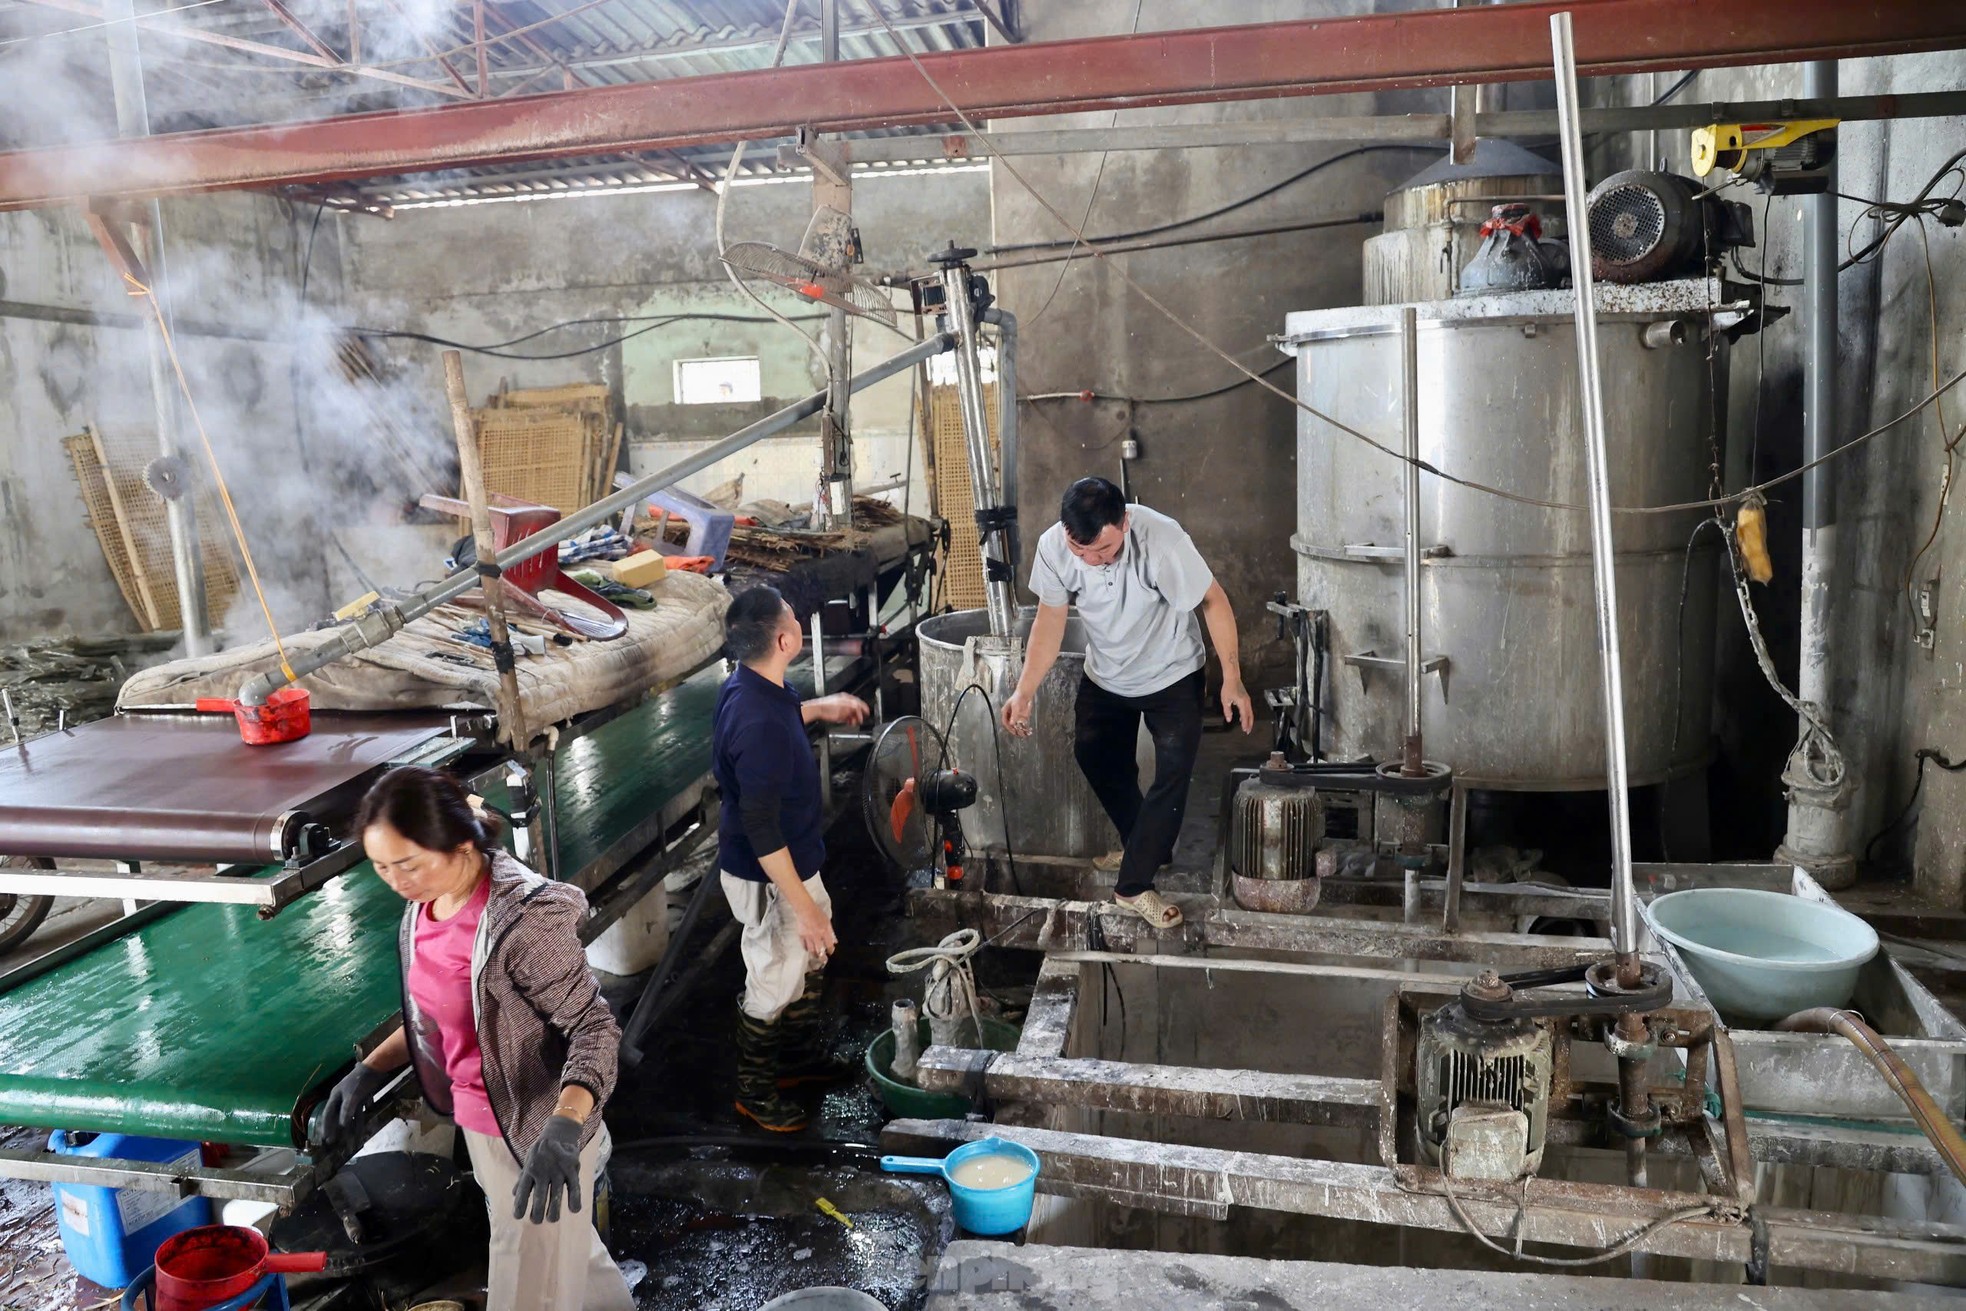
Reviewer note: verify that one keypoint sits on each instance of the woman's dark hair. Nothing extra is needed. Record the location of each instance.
(752, 622)
(1089, 507)
(429, 808)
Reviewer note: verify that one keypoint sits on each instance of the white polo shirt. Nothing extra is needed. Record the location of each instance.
(1141, 633)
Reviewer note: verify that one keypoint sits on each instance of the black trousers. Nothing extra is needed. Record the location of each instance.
(1108, 731)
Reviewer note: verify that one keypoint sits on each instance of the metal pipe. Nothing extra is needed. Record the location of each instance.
(380, 625)
(1931, 1117)
(1624, 901)
(1817, 838)
(1413, 764)
(1006, 325)
(180, 515)
(976, 434)
(471, 474)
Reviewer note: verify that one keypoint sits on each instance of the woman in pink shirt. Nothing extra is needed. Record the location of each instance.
(507, 1033)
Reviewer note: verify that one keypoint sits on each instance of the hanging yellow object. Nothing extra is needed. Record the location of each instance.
(1751, 533)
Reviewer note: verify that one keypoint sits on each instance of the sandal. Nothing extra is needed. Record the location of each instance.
(1109, 863)
(1151, 907)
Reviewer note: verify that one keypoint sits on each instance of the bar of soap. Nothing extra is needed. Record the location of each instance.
(640, 570)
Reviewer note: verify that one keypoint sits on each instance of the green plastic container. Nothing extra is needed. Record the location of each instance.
(908, 1101)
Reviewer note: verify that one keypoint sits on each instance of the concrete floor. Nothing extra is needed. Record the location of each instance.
(983, 1276)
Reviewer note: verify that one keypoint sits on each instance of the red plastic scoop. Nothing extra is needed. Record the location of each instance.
(203, 1267)
(282, 717)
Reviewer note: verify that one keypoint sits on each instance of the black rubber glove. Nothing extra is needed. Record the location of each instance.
(552, 1170)
(341, 1118)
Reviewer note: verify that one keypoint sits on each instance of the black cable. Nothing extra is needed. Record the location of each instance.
(1685, 80)
(1229, 208)
(497, 349)
(1901, 213)
(996, 745)
(1223, 390)
(1923, 754)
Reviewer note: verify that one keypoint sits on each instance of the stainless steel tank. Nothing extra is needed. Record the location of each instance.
(1507, 598)
(1051, 807)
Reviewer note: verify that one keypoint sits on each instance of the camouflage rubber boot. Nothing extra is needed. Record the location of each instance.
(758, 1099)
(805, 1052)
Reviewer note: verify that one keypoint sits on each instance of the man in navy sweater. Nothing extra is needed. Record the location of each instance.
(770, 843)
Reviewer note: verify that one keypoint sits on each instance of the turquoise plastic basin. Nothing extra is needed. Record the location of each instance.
(1763, 955)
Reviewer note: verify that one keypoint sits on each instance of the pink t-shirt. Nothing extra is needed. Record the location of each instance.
(440, 982)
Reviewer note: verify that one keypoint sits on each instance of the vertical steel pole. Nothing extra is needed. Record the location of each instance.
(836, 429)
(976, 438)
(1413, 763)
(181, 515)
(1624, 901)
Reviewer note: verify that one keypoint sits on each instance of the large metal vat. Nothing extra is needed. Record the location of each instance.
(1051, 807)
(1506, 594)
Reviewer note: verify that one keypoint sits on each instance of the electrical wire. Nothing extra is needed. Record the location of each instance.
(1948, 440)
(1900, 214)
(497, 350)
(107, 22)
(996, 745)
(1230, 208)
(1094, 395)
(1620, 1248)
(1710, 503)
(723, 197)
(1924, 755)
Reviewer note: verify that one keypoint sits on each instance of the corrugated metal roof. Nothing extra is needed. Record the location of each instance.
(229, 62)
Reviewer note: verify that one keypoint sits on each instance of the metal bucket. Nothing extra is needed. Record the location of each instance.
(1051, 807)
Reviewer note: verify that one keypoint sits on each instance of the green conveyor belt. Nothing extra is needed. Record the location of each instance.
(210, 1024)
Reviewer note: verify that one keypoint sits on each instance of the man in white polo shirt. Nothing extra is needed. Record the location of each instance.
(1137, 581)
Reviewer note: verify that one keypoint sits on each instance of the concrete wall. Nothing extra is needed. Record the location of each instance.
(487, 273)
(1890, 696)
(1224, 465)
(231, 263)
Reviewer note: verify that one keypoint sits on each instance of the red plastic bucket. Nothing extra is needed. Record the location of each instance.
(201, 1268)
(282, 717)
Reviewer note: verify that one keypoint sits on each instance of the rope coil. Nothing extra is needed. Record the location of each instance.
(949, 995)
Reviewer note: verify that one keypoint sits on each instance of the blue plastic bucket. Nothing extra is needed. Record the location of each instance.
(986, 1211)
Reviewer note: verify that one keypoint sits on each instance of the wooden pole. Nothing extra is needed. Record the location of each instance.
(471, 472)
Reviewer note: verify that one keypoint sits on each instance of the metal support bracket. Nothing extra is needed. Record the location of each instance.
(1369, 662)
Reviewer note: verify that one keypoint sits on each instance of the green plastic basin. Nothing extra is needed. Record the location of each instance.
(910, 1102)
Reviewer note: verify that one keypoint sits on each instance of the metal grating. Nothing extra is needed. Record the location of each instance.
(1626, 224)
(955, 501)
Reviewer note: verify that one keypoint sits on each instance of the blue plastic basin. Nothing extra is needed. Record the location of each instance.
(1763, 955)
(985, 1211)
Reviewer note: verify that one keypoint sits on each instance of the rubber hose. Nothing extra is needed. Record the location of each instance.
(1931, 1117)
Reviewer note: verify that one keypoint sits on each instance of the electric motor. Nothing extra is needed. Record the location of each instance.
(1276, 827)
(1482, 1093)
(1648, 226)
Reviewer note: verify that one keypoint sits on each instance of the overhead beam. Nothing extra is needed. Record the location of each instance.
(162, 25)
(1420, 129)
(1437, 47)
(304, 32)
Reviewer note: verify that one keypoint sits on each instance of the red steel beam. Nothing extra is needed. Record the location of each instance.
(1489, 43)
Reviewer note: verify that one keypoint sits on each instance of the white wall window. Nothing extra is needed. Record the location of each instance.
(728, 380)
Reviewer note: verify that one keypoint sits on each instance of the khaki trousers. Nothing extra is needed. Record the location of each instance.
(775, 961)
(556, 1266)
